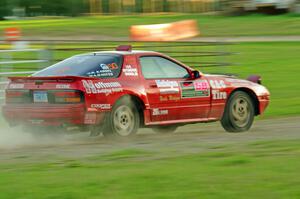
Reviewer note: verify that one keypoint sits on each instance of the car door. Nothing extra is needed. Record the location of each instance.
(171, 93)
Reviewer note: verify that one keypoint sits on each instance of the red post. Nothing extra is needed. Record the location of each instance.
(12, 34)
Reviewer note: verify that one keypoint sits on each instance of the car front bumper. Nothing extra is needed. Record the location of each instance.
(263, 103)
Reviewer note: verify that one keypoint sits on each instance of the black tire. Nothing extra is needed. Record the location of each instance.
(123, 120)
(239, 113)
(164, 129)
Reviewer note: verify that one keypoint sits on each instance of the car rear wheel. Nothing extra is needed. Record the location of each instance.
(124, 119)
(239, 113)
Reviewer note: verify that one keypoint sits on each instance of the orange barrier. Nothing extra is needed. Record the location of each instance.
(12, 33)
(164, 32)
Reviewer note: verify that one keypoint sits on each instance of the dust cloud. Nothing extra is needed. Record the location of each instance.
(14, 137)
(17, 137)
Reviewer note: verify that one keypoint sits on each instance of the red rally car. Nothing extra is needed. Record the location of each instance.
(117, 92)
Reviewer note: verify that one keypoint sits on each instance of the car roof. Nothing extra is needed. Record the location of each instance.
(121, 52)
(133, 52)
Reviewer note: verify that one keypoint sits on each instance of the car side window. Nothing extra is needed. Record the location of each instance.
(154, 67)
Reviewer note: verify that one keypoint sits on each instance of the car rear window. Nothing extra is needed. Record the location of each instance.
(102, 66)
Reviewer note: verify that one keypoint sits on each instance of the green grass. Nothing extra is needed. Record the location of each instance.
(268, 169)
(118, 26)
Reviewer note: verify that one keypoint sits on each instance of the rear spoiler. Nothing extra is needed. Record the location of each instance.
(255, 79)
(46, 79)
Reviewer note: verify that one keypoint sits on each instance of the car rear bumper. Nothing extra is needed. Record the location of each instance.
(50, 115)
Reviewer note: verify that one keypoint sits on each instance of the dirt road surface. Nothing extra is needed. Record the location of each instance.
(17, 146)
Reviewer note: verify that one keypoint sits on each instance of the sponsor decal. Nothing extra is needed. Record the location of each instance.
(167, 86)
(101, 87)
(217, 84)
(175, 98)
(190, 89)
(157, 111)
(113, 66)
(101, 106)
(163, 98)
(169, 98)
(63, 86)
(105, 70)
(216, 94)
(107, 84)
(166, 83)
(129, 71)
(17, 86)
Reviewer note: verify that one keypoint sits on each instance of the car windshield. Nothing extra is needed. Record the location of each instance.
(102, 66)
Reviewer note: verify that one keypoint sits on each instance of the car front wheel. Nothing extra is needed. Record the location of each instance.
(239, 113)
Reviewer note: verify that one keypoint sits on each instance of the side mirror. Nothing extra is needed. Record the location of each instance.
(195, 74)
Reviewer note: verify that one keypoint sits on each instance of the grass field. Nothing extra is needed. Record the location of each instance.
(118, 26)
(236, 169)
(262, 169)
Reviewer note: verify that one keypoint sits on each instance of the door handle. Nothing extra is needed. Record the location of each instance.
(187, 83)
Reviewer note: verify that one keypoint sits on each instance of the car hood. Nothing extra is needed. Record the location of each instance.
(230, 78)
(235, 82)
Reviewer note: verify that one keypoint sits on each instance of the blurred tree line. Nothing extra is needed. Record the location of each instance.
(43, 7)
(148, 6)
(30, 8)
